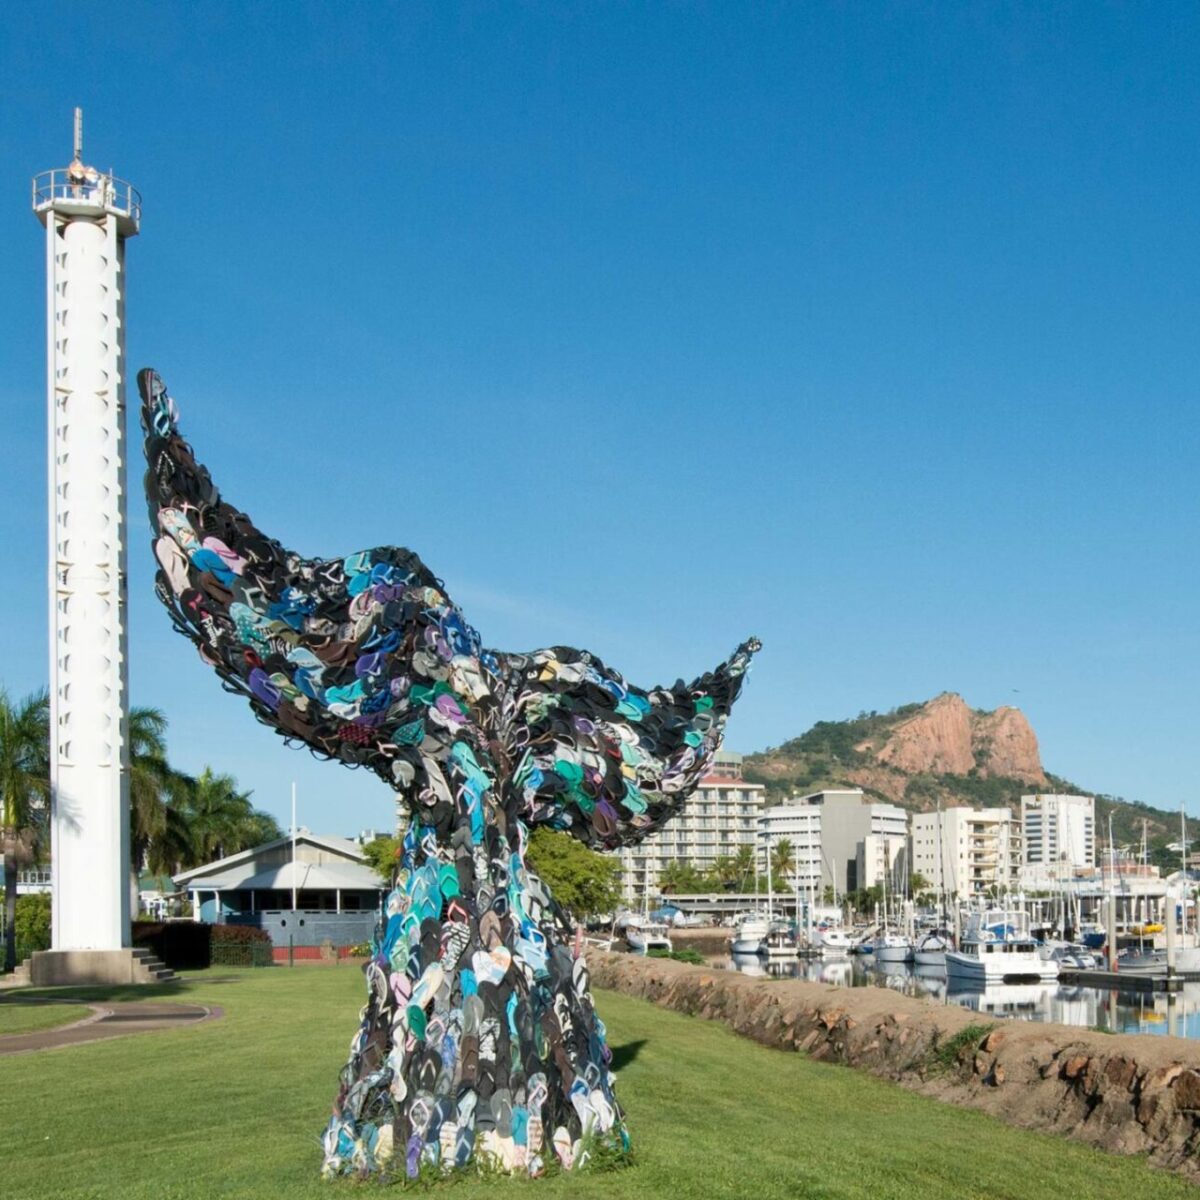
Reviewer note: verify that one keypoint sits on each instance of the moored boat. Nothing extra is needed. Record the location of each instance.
(997, 947)
(930, 950)
(751, 932)
(833, 941)
(893, 948)
(644, 935)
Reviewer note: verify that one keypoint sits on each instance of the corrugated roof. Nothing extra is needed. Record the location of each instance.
(224, 866)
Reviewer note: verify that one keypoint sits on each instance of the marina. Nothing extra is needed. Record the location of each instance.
(1084, 999)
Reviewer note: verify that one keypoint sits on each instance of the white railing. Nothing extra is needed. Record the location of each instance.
(103, 191)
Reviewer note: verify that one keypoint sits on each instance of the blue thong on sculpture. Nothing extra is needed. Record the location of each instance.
(479, 1042)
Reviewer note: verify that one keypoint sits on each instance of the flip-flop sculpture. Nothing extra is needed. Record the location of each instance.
(479, 1041)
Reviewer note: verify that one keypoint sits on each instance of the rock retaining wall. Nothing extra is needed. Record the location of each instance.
(1132, 1094)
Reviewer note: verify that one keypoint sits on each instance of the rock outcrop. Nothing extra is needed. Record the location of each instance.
(946, 738)
(1122, 1092)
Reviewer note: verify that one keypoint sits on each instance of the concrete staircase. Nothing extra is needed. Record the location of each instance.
(19, 977)
(148, 969)
(140, 966)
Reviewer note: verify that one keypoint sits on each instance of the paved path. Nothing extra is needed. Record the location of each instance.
(109, 1020)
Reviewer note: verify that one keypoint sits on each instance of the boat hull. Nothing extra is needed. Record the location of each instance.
(998, 966)
(745, 945)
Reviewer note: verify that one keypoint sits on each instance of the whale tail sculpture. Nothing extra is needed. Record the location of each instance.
(479, 1040)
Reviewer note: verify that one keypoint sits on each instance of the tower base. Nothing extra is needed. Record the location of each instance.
(63, 968)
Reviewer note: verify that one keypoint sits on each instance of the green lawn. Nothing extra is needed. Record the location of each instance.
(19, 1017)
(233, 1108)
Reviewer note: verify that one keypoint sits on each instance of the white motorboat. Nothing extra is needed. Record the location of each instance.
(833, 942)
(1070, 956)
(644, 935)
(893, 948)
(1151, 961)
(779, 942)
(930, 950)
(996, 947)
(750, 935)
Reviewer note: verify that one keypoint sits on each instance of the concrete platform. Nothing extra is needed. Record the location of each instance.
(67, 968)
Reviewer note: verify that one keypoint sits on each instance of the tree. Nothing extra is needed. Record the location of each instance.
(743, 860)
(222, 820)
(679, 876)
(583, 881)
(158, 834)
(829, 896)
(725, 872)
(383, 854)
(24, 793)
(783, 860)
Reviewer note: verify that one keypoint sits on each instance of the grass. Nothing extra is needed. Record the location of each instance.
(233, 1108)
(17, 1016)
(944, 1055)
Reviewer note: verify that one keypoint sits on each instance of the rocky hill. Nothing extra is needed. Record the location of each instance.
(941, 750)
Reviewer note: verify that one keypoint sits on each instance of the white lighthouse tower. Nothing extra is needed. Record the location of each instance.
(88, 217)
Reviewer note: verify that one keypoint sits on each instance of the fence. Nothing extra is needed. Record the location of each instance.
(245, 954)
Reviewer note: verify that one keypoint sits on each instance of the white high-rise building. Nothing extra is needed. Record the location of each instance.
(966, 852)
(720, 816)
(1060, 836)
(88, 216)
(800, 826)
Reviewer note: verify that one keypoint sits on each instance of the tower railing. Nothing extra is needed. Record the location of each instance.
(104, 192)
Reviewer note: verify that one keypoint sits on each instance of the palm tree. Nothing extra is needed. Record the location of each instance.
(743, 861)
(24, 792)
(725, 871)
(783, 860)
(678, 876)
(156, 829)
(222, 820)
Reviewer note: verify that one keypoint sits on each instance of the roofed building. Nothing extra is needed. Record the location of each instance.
(285, 885)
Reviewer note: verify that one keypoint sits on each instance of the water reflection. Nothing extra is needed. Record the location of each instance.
(1177, 1015)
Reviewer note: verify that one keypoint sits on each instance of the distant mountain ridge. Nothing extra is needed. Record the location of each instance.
(940, 750)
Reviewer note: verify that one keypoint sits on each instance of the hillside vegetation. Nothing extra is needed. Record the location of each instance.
(941, 750)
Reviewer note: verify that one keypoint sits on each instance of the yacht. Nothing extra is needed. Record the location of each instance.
(931, 949)
(644, 935)
(893, 948)
(833, 942)
(1070, 956)
(1147, 960)
(751, 933)
(997, 947)
(779, 942)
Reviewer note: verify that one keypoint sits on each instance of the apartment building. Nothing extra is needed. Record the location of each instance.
(720, 816)
(1060, 837)
(966, 852)
(800, 826)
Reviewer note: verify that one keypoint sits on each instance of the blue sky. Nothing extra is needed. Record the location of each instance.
(869, 329)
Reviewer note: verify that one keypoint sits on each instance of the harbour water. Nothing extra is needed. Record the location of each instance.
(1111, 1010)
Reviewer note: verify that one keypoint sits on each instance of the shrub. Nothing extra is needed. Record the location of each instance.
(238, 935)
(944, 1055)
(33, 923)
